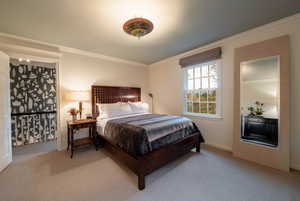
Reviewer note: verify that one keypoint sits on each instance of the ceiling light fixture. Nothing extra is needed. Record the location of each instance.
(138, 27)
(21, 59)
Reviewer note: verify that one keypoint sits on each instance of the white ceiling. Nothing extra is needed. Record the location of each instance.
(96, 25)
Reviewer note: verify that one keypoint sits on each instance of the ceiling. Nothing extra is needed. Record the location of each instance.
(96, 25)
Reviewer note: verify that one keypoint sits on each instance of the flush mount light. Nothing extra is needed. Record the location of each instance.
(138, 27)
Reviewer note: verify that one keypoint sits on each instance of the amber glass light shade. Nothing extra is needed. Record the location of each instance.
(138, 27)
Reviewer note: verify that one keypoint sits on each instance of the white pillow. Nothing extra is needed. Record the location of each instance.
(139, 107)
(114, 110)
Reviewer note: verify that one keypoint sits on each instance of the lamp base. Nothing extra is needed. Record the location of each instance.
(80, 110)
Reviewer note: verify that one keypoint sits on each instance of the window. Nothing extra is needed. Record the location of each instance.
(202, 89)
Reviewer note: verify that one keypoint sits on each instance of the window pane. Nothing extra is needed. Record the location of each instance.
(212, 108)
(196, 107)
(201, 88)
(212, 95)
(190, 96)
(204, 83)
(189, 107)
(204, 71)
(197, 83)
(190, 73)
(213, 83)
(196, 96)
(197, 72)
(190, 84)
(203, 107)
(213, 70)
(203, 96)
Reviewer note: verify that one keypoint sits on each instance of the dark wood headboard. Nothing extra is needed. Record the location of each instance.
(109, 94)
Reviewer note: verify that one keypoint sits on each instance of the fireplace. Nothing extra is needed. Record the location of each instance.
(260, 130)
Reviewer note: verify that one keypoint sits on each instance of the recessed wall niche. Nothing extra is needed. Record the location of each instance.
(259, 80)
(250, 142)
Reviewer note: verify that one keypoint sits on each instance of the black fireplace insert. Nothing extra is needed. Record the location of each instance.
(260, 130)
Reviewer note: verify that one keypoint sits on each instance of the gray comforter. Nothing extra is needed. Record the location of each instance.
(138, 135)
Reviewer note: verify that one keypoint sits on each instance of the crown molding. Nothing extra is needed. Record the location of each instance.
(263, 28)
(61, 49)
(24, 49)
(99, 56)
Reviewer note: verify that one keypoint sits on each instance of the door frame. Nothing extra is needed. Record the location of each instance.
(58, 96)
(6, 159)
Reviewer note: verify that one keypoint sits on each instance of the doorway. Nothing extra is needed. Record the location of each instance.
(33, 95)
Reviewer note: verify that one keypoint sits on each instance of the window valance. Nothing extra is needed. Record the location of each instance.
(202, 57)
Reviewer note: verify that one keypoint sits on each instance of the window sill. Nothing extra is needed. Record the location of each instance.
(206, 116)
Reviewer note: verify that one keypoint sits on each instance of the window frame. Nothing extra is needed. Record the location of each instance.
(219, 90)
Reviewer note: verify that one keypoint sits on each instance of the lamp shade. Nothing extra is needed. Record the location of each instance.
(78, 96)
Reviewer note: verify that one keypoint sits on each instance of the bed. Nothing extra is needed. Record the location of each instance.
(142, 141)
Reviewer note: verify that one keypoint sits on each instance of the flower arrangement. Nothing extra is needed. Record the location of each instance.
(73, 112)
(257, 109)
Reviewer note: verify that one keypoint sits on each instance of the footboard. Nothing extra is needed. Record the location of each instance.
(160, 157)
(152, 161)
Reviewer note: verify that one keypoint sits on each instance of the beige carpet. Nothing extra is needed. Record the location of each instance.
(93, 176)
(31, 150)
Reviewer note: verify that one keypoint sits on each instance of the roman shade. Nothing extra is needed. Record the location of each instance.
(202, 57)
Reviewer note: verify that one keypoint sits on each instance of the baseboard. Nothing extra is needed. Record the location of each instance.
(295, 167)
(6, 160)
(220, 147)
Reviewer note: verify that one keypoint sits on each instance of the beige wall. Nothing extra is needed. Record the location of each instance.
(166, 81)
(77, 72)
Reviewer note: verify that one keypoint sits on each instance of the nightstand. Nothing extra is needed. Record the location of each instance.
(75, 126)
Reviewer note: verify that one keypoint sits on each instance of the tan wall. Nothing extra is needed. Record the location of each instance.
(77, 72)
(165, 83)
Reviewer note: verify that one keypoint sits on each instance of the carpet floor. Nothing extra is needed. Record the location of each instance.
(29, 151)
(92, 176)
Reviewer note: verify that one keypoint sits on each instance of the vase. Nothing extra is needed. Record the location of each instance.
(74, 117)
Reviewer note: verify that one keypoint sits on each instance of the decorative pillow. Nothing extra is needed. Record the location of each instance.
(139, 107)
(114, 110)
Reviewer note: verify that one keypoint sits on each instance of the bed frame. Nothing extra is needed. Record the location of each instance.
(142, 165)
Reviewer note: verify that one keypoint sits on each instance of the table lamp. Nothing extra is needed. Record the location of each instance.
(79, 96)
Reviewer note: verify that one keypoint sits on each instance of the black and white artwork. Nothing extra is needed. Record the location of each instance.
(33, 102)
